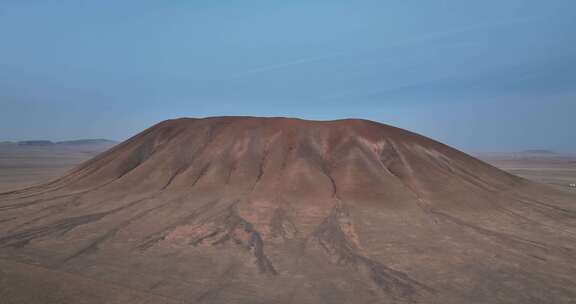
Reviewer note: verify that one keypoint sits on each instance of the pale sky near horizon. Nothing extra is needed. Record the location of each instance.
(478, 75)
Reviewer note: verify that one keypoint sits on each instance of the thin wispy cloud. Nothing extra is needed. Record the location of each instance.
(287, 64)
(410, 41)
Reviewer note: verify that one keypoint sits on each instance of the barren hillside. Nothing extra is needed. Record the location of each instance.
(277, 210)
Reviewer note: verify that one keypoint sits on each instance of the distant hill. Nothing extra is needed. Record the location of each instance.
(540, 152)
(86, 142)
(68, 142)
(523, 155)
(35, 143)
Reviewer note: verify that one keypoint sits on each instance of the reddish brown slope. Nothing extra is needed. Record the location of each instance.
(249, 210)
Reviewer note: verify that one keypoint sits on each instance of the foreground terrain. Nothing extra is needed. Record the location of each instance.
(254, 210)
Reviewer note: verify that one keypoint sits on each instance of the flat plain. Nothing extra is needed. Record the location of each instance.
(26, 165)
(555, 169)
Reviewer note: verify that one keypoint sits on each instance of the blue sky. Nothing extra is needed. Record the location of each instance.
(479, 75)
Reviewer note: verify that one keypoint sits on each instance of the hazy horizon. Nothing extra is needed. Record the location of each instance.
(489, 76)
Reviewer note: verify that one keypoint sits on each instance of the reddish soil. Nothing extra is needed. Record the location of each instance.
(278, 210)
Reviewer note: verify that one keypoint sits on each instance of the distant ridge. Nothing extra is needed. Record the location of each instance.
(86, 141)
(35, 143)
(68, 142)
(539, 151)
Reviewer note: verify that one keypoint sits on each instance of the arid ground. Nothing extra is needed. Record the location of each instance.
(277, 210)
(555, 169)
(23, 166)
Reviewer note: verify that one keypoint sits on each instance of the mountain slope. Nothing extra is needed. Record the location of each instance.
(260, 210)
